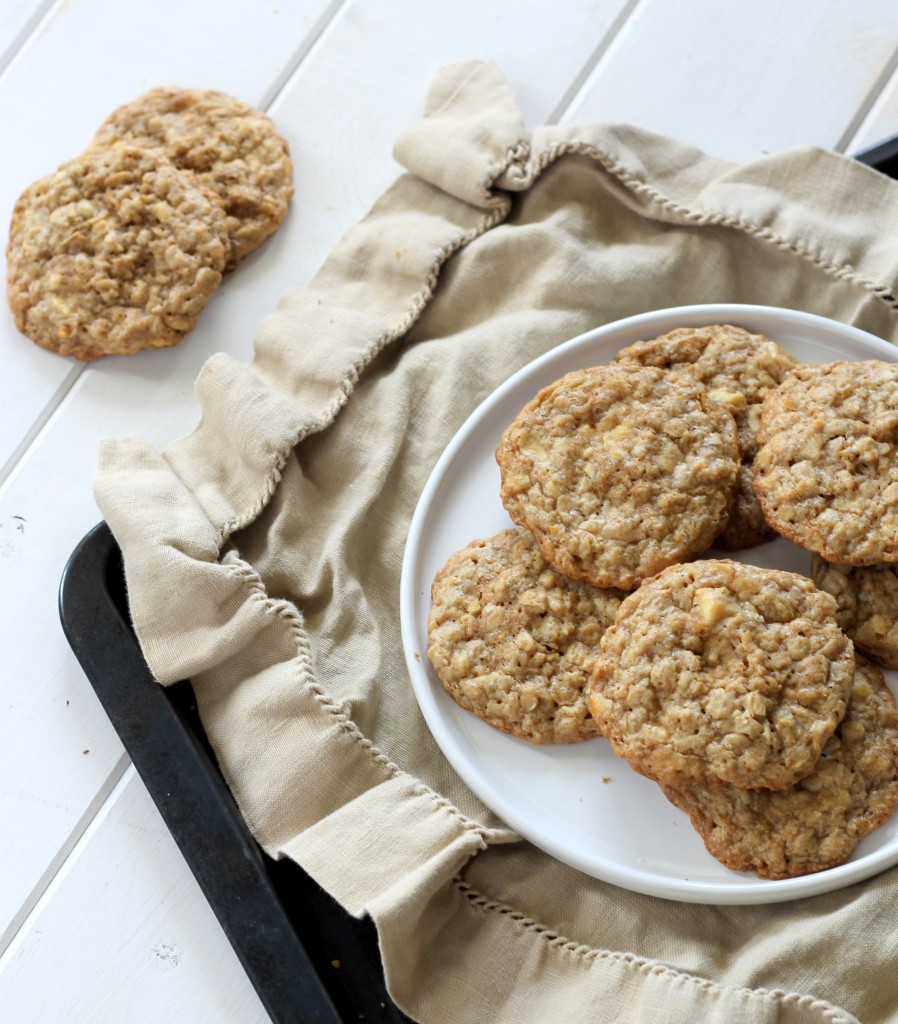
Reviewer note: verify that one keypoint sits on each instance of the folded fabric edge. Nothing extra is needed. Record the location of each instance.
(471, 104)
(249, 660)
(412, 840)
(322, 752)
(551, 977)
(710, 192)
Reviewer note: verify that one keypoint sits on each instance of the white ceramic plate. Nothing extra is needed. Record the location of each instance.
(580, 802)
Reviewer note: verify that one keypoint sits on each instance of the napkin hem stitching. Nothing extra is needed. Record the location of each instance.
(347, 385)
(484, 903)
(839, 271)
(291, 614)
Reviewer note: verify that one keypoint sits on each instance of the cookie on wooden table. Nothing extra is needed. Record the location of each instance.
(867, 599)
(115, 252)
(514, 642)
(619, 471)
(826, 472)
(234, 150)
(719, 672)
(817, 823)
(739, 369)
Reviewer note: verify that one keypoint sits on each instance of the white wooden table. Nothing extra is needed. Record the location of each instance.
(100, 919)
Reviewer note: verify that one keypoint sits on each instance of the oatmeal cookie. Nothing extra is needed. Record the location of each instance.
(233, 149)
(619, 471)
(738, 368)
(826, 472)
(721, 672)
(867, 599)
(115, 252)
(514, 642)
(817, 823)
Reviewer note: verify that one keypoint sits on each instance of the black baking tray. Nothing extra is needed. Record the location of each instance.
(883, 156)
(309, 961)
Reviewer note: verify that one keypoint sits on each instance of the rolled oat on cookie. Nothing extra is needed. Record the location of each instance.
(719, 672)
(619, 471)
(738, 368)
(514, 642)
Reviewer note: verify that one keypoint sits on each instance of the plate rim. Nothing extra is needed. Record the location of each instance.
(752, 891)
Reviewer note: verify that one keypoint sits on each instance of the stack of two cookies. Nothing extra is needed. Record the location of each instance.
(731, 685)
(734, 688)
(121, 248)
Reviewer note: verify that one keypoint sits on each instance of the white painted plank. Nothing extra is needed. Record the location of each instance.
(18, 18)
(742, 81)
(343, 109)
(85, 60)
(126, 896)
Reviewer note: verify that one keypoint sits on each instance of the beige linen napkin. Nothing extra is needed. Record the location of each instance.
(263, 552)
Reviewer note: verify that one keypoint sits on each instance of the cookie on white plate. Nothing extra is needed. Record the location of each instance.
(514, 642)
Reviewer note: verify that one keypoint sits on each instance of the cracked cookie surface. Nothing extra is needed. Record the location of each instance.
(514, 642)
(114, 252)
(234, 150)
(817, 823)
(826, 472)
(867, 600)
(619, 471)
(717, 672)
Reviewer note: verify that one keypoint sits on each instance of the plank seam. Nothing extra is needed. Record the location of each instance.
(308, 44)
(615, 29)
(78, 839)
(42, 13)
(37, 426)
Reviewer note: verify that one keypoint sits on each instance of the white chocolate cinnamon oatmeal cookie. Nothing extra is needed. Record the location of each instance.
(233, 149)
(514, 642)
(867, 599)
(115, 252)
(739, 369)
(721, 672)
(817, 823)
(619, 471)
(826, 472)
